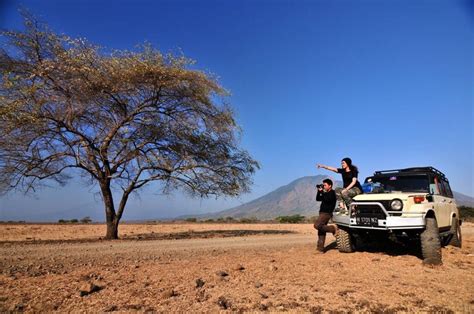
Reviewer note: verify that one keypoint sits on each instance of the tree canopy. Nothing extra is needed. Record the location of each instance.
(125, 119)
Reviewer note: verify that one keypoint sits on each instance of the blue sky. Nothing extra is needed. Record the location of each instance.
(387, 83)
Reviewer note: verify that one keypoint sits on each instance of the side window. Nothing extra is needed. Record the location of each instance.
(447, 188)
(434, 186)
(441, 188)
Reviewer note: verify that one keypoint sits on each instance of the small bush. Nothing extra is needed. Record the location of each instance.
(294, 219)
(225, 219)
(311, 219)
(249, 220)
(466, 213)
(65, 221)
(191, 219)
(86, 220)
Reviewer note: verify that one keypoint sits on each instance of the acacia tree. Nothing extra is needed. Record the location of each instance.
(125, 119)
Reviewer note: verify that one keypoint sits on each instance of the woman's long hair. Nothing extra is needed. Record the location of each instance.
(350, 165)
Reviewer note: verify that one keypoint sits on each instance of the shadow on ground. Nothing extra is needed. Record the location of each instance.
(204, 234)
(164, 236)
(330, 246)
(385, 247)
(391, 248)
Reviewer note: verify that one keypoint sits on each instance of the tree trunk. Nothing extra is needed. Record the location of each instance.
(112, 229)
(111, 218)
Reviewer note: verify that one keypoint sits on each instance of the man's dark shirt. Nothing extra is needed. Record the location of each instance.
(328, 201)
(347, 178)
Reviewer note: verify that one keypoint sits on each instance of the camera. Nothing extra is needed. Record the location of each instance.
(319, 186)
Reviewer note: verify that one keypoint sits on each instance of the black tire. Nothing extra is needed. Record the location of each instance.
(456, 239)
(345, 242)
(431, 243)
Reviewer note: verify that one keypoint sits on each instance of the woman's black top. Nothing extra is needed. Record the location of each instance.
(347, 177)
(328, 201)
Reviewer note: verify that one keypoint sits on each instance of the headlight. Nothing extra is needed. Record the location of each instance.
(396, 204)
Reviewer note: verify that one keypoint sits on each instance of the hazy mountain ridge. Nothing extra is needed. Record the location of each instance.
(463, 200)
(297, 197)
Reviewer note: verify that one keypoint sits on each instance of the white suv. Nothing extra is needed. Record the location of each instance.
(404, 205)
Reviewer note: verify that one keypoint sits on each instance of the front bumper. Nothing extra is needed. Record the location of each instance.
(403, 220)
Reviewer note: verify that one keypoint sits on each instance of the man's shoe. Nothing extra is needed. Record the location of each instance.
(336, 230)
(320, 243)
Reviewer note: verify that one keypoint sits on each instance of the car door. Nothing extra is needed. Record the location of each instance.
(441, 204)
(450, 201)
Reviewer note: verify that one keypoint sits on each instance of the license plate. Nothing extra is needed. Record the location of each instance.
(367, 221)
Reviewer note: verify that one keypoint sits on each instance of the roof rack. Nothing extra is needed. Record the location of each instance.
(413, 169)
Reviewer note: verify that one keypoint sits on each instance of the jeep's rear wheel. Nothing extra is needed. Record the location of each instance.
(345, 242)
(431, 243)
(456, 240)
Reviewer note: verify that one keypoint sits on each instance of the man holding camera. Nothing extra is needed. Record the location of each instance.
(327, 196)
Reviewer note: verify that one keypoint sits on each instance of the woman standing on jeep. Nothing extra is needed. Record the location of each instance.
(351, 186)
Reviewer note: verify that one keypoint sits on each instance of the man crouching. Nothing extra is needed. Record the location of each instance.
(327, 197)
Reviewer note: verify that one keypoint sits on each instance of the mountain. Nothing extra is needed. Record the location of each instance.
(297, 197)
(463, 200)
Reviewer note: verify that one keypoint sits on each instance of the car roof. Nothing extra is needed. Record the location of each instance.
(412, 170)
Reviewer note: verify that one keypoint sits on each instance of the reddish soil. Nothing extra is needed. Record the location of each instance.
(220, 267)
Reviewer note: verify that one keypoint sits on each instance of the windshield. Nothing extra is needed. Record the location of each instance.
(406, 183)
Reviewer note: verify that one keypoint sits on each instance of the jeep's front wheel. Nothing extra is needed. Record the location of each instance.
(345, 242)
(456, 240)
(431, 243)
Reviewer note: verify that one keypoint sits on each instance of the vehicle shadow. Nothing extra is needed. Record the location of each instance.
(390, 248)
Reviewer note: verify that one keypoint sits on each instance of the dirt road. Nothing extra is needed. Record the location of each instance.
(275, 272)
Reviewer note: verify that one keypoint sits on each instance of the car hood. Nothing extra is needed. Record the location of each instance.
(384, 196)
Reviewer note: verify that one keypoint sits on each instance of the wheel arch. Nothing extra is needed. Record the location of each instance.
(454, 215)
(430, 214)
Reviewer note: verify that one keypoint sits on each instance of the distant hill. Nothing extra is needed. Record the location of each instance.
(297, 197)
(463, 200)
